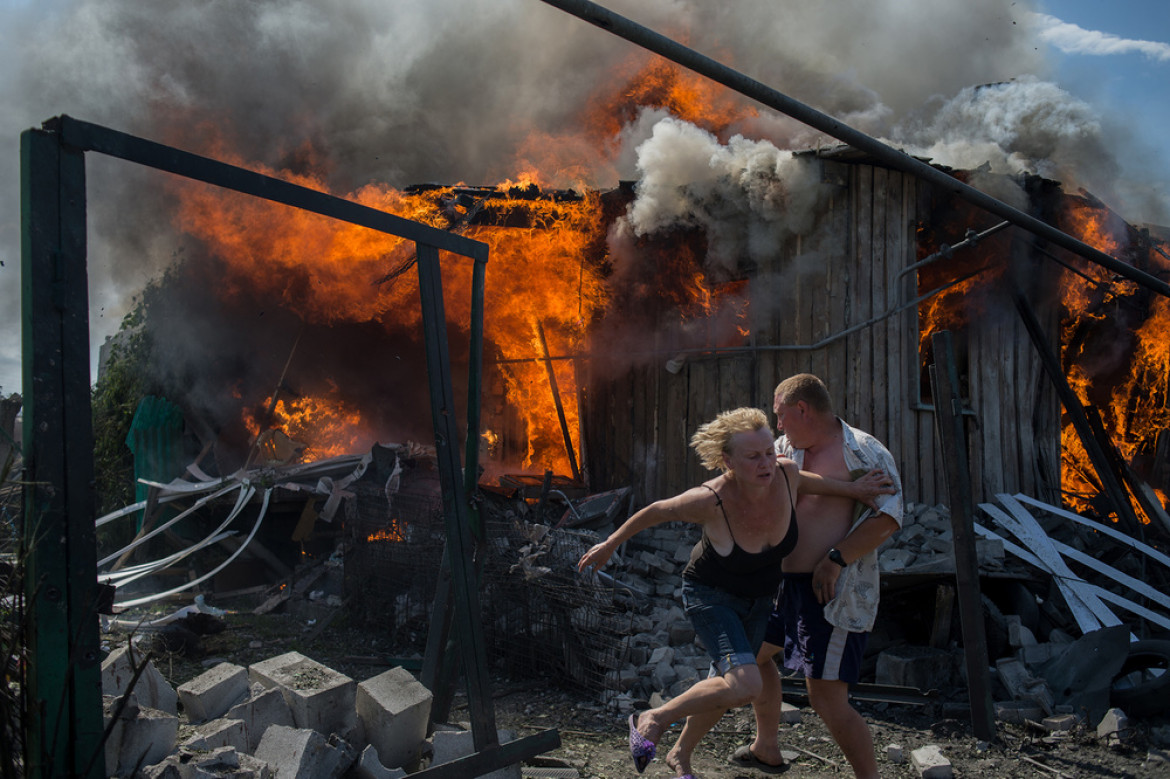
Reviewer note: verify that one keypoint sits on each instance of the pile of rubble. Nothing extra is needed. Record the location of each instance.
(1035, 678)
(284, 716)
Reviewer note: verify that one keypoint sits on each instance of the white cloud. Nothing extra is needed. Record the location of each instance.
(1072, 39)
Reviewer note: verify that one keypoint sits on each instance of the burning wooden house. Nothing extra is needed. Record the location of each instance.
(603, 355)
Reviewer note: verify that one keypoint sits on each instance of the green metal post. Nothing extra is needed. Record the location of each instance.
(456, 510)
(474, 385)
(63, 712)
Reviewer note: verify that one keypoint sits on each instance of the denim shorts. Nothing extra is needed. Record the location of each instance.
(731, 627)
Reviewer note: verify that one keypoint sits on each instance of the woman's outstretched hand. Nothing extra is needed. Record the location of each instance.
(596, 557)
(871, 485)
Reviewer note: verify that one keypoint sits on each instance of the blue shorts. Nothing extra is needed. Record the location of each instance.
(812, 646)
(731, 627)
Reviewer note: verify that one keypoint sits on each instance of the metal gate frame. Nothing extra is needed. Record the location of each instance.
(63, 712)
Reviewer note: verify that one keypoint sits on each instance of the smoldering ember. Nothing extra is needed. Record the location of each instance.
(349, 451)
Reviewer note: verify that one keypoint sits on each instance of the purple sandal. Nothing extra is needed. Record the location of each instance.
(641, 748)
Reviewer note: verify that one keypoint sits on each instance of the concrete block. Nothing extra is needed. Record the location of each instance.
(320, 698)
(663, 676)
(142, 736)
(1018, 712)
(219, 733)
(933, 562)
(1113, 727)
(789, 714)
(369, 767)
(1022, 686)
(198, 764)
(930, 763)
(213, 692)
(681, 634)
(895, 559)
(394, 708)
(663, 654)
(264, 707)
(300, 753)
(895, 754)
(152, 689)
(923, 668)
(451, 745)
(990, 552)
(1018, 634)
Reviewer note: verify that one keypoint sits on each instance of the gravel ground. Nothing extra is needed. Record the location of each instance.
(593, 740)
(594, 743)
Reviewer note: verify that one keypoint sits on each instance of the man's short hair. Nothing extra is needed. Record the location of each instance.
(806, 387)
(712, 439)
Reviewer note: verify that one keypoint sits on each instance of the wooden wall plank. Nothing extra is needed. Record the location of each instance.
(671, 450)
(886, 345)
(860, 256)
(932, 489)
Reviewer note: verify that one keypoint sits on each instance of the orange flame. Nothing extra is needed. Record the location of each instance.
(1115, 338)
(330, 272)
(395, 532)
(1129, 388)
(328, 428)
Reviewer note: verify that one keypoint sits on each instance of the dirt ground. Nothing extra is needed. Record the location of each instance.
(595, 744)
(593, 740)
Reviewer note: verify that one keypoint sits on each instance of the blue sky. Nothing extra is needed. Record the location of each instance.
(1116, 57)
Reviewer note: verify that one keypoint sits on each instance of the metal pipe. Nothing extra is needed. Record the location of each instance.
(899, 160)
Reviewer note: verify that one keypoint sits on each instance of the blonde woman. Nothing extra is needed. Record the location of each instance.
(748, 520)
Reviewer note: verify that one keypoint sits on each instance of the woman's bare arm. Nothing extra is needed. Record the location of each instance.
(694, 506)
(864, 489)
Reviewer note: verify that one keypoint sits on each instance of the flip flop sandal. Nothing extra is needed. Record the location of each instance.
(745, 758)
(641, 749)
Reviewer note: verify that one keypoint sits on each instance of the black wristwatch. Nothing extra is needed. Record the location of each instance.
(835, 556)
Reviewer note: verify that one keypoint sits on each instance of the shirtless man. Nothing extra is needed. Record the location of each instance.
(829, 594)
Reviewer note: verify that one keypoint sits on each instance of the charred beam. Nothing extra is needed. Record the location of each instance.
(1111, 484)
(944, 383)
(556, 393)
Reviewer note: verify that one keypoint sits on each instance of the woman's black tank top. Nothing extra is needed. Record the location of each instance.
(745, 574)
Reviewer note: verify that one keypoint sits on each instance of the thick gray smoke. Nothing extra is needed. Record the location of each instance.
(398, 92)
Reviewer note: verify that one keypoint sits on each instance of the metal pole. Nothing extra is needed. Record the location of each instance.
(474, 388)
(460, 545)
(63, 716)
(899, 160)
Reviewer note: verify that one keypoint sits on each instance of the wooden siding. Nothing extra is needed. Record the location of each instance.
(847, 271)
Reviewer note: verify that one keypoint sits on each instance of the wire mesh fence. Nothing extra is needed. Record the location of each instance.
(539, 616)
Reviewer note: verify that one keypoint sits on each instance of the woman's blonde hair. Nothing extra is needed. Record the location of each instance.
(713, 439)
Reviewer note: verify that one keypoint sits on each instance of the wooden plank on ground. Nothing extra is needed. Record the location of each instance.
(1084, 617)
(1096, 526)
(1071, 586)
